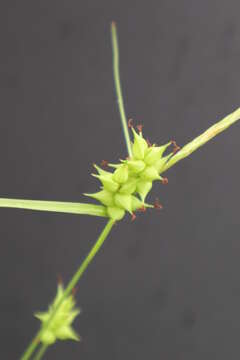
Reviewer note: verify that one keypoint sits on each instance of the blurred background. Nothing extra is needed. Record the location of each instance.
(166, 286)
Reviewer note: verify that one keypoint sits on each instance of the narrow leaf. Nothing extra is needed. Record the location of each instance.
(55, 206)
(203, 138)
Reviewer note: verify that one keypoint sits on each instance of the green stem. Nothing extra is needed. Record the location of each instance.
(118, 87)
(40, 352)
(76, 277)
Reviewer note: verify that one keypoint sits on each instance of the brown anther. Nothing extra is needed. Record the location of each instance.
(59, 279)
(165, 181)
(104, 163)
(142, 209)
(130, 123)
(133, 217)
(176, 148)
(140, 127)
(74, 290)
(148, 142)
(157, 205)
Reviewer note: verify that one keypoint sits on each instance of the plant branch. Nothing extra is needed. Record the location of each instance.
(203, 138)
(118, 87)
(40, 352)
(72, 283)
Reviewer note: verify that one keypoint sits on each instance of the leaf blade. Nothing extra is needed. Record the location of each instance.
(202, 139)
(55, 206)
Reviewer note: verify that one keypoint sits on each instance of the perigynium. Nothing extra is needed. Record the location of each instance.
(124, 187)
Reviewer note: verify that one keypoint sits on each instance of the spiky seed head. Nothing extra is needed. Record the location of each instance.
(128, 186)
(60, 325)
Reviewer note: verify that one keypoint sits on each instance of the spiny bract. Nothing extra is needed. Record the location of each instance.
(60, 326)
(127, 187)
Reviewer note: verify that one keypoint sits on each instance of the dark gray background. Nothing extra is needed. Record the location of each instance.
(166, 286)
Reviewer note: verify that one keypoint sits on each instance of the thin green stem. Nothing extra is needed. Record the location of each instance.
(118, 87)
(40, 352)
(76, 277)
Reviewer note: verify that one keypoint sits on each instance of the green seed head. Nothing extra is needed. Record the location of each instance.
(60, 326)
(128, 186)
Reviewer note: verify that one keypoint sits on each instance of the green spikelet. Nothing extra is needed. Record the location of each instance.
(128, 186)
(139, 146)
(136, 166)
(60, 326)
(104, 196)
(123, 201)
(107, 182)
(150, 174)
(120, 175)
(143, 188)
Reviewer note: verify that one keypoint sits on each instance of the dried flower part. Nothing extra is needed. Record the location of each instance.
(60, 326)
(126, 188)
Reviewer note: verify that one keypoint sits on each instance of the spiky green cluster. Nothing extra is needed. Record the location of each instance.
(127, 187)
(59, 327)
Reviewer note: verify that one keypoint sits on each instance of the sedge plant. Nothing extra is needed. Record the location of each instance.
(124, 187)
